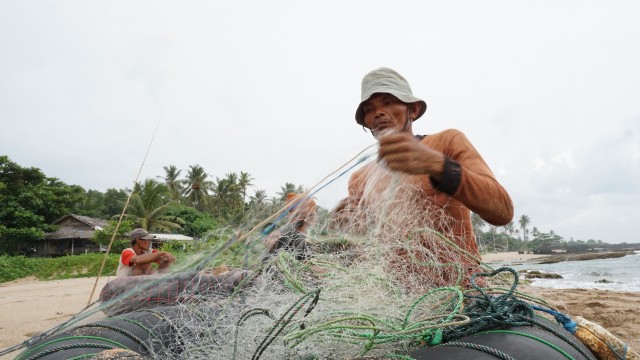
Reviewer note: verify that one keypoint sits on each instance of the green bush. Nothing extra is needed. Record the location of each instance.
(65, 267)
(16, 267)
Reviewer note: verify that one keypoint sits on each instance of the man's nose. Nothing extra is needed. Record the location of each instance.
(379, 113)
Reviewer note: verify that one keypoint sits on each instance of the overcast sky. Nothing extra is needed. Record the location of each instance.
(547, 91)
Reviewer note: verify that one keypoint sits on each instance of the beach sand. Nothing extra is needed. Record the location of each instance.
(511, 257)
(29, 306)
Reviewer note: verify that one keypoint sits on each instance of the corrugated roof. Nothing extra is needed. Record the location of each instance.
(165, 237)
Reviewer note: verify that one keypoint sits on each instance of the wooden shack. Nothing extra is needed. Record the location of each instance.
(72, 237)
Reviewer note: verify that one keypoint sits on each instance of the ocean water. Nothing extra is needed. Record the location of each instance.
(623, 274)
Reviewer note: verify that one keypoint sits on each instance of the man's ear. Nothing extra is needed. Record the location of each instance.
(415, 110)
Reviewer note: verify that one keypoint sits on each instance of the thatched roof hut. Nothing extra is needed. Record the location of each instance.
(74, 226)
(73, 236)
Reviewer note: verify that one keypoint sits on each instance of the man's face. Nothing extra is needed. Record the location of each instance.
(144, 244)
(384, 112)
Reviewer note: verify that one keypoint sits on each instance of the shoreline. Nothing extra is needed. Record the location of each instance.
(510, 257)
(513, 257)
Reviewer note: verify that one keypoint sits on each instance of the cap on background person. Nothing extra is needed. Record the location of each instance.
(140, 233)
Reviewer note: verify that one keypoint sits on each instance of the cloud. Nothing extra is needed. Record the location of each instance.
(546, 92)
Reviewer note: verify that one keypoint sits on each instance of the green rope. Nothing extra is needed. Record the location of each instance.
(241, 321)
(342, 327)
(488, 312)
(32, 350)
(69, 347)
(561, 336)
(519, 294)
(285, 319)
(137, 323)
(283, 260)
(329, 326)
(121, 331)
(456, 308)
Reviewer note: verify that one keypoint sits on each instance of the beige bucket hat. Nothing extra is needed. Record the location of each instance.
(385, 80)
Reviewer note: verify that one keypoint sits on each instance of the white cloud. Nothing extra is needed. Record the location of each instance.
(546, 91)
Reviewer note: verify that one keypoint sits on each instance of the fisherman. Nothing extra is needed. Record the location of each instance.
(449, 176)
(137, 259)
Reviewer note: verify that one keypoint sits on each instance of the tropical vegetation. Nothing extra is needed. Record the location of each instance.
(194, 203)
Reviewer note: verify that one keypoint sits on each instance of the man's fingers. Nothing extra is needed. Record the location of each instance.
(396, 143)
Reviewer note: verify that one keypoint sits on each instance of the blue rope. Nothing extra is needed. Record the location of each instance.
(267, 230)
(570, 325)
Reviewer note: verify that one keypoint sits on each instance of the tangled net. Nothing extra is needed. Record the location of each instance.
(381, 284)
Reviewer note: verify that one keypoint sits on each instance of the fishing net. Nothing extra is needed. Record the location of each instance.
(381, 278)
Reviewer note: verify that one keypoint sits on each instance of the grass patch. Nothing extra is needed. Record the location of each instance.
(65, 267)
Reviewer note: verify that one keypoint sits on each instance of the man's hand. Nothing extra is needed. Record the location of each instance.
(166, 257)
(401, 151)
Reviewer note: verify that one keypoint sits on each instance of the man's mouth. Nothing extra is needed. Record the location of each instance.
(382, 124)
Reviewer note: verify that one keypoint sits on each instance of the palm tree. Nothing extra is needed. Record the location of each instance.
(171, 174)
(509, 228)
(524, 221)
(221, 196)
(148, 205)
(197, 186)
(535, 232)
(243, 183)
(259, 206)
(232, 178)
(258, 197)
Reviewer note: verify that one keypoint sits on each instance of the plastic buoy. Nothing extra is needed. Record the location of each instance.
(602, 343)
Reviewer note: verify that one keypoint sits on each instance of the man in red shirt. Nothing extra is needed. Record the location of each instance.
(137, 259)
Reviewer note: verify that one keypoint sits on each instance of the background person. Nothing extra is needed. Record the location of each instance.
(137, 259)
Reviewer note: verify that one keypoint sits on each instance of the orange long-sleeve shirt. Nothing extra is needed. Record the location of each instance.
(467, 185)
